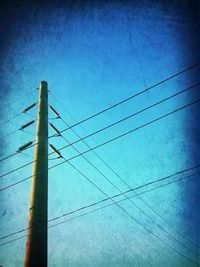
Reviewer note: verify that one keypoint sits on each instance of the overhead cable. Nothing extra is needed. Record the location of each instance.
(104, 143)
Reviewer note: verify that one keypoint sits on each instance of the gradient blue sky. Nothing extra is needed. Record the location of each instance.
(94, 54)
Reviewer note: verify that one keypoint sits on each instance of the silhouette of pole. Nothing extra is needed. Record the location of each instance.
(36, 243)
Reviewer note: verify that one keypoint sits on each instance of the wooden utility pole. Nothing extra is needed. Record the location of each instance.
(36, 244)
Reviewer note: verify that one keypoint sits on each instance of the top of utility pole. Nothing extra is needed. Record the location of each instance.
(44, 83)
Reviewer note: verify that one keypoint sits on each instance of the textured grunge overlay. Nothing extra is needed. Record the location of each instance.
(94, 54)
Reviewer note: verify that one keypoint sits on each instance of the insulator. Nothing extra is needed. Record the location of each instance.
(55, 129)
(29, 107)
(54, 111)
(26, 125)
(24, 146)
(55, 150)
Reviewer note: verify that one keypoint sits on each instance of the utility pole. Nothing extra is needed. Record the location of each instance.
(36, 243)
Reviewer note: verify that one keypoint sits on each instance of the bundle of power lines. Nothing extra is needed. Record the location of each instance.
(187, 173)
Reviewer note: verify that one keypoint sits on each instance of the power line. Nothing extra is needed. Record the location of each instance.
(103, 208)
(106, 199)
(13, 154)
(117, 195)
(146, 108)
(133, 96)
(138, 207)
(31, 115)
(121, 179)
(156, 212)
(111, 204)
(15, 116)
(128, 132)
(13, 102)
(8, 134)
(13, 132)
(23, 96)
(147, 228)
(127, 99)
(13, 240)
(108, 126)
(124, 199)
(25, 131)
(132, 202)
(9, 156)
(104, 143)
(129, 214)
(125, 192)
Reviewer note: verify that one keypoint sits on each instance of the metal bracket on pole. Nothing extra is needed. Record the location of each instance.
(29, 107)
(56, 151)
(24, 147)
(55, 129)
(26, 125)
(55, 112)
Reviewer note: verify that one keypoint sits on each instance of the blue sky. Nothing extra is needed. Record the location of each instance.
(94, 54)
